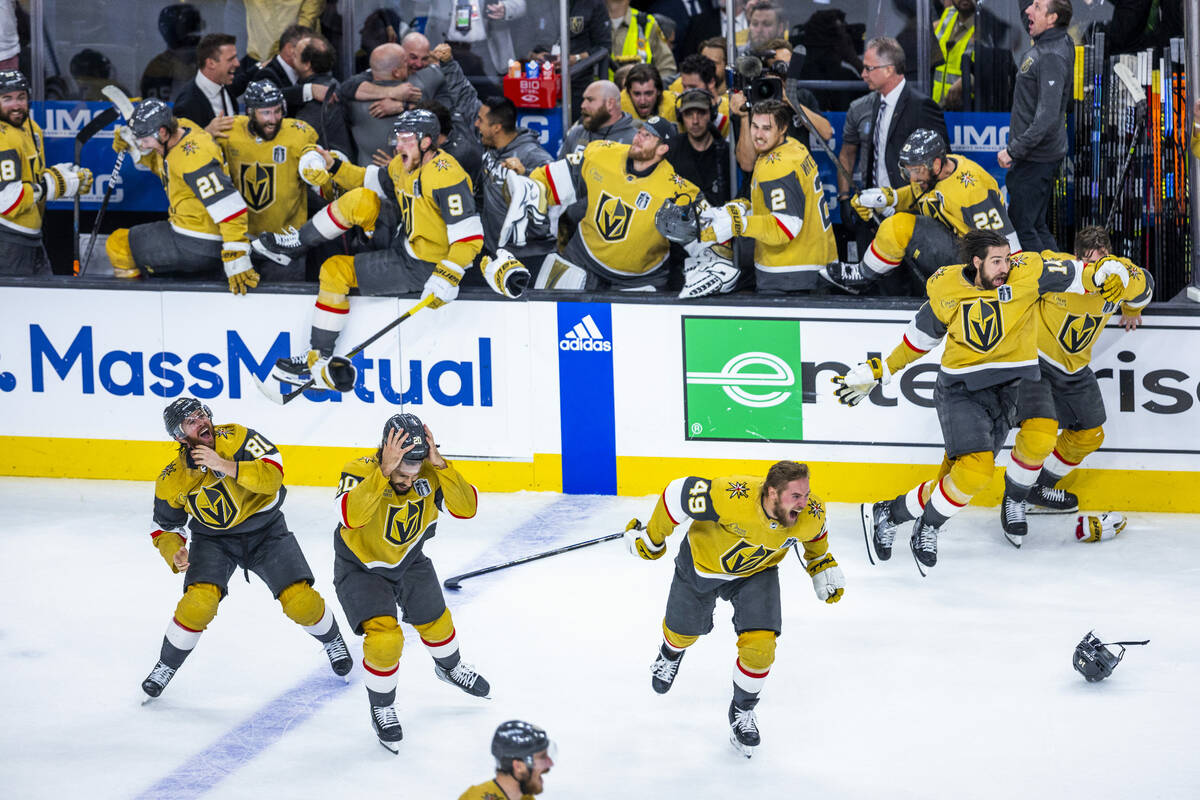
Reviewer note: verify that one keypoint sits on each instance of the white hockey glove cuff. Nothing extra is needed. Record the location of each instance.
(505, 274)
(878, 198)
(858, 382)
(1111, 277)
(828, 580)
(235, 256)
(639, 543)
(1095, 528)
(443, 283)
(312, 170)
(60, 181)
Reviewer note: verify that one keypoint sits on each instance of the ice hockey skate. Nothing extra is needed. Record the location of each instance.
(157, 680)
(279, 247)
(923, 544)
(743, 730)
(339, 656)
(846, 276)
(1047, 500)
(387, 727)
(296, 370)
(879, 529)
(664, 669)
(1012, 519)
(464, 676)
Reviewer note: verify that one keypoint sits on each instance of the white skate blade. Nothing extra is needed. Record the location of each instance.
(278, 258)
(1015, 541)
(866, 510)
(391, 747)
(283, 376)
(1032, 509)
(745, 750)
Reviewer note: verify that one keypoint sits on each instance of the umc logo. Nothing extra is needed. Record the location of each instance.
(1078, 331)
(612, 217)
(403, 523)
(213, 505)
(258, 184)
(585, 335)
(983, 325)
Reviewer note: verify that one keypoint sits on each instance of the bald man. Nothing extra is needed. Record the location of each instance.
(600, 117)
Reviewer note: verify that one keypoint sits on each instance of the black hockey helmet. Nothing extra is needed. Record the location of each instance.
(518, 740)
(921, 148)
(678, 222)
(1094, 661)
(89, 63)
(179, 410)
(262, 94)
(412, 425)
(178, 23)
(150, 115)
(418, 121)
(13, 80)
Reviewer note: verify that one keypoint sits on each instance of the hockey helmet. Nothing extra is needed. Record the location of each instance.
(921, 148)
(1094, 661)
(412, 425)
(678, 222)
(178, 24)
(13, 80)
(419, 121)
(180, 409)
(262, 94)
(518, 740)
(150, 115)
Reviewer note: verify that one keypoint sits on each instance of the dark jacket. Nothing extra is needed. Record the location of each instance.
(1038, 130)
(192, 104)
(913, 110)
(708, 169)
(492, 198)
(328, 119)
(293, 93)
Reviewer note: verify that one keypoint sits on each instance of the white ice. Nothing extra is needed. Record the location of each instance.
(958, 685)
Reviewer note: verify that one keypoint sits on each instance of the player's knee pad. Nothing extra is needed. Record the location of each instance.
(117, 246)
(893, 236)
(559, 274)
(302, 604)
(357, 207)
(677, 640)
(337, 278)
(439, 630)
(198, 606)
(756, 650)
(1075, 446)
(971, 474)
(383, 642)
(1035, 440)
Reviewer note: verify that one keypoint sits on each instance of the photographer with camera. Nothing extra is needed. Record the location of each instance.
(762, 76)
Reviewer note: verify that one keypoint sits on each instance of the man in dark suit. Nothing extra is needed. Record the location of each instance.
(207, 95)
(877, 125)
(284, 69)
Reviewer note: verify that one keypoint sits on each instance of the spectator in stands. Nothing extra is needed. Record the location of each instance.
(765, 22)
(644, 96)
(484, 32)
(637, 39)
(382, 26)
(10, 40)
(695, 21)
(206, 99)
(830, 57)
(702, 156)
(714, 50)
(169, 71)
(589, 46)
(600, 117)
(267, 22)
(92, 71)
(955, 32)
(698, 72)
(281, 69)
(465, 148)
(507, 147)
(314, 68)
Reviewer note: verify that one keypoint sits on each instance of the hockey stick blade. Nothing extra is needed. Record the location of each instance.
(98, 121)
(1130, 83)
(120, 100)
(455, 581)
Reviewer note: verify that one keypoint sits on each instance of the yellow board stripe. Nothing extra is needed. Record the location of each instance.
(838, 482)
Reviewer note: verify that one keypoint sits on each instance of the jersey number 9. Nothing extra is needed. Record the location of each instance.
(698, 497)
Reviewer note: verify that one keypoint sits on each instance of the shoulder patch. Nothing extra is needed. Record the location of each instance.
(966, 178)
(168, 470)
(441, 164)
(738, 490)
(815, 507)
(300, 125)
(189, 147)
(1026, 64)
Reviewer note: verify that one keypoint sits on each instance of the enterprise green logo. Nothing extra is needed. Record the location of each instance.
(742, 379)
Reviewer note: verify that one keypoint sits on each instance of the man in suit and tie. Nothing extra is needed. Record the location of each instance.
(207, 96)
(877, 125)
(283, 70)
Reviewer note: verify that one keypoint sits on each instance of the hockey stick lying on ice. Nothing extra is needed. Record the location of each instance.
(283, 399)
(1139, 126)
(453, 582)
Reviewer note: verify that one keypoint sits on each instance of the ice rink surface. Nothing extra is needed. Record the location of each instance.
(958, 685)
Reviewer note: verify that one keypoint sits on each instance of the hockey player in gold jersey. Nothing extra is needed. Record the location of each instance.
(206, 222)
(739, 530)
(985, 311)
(948, 195)
(524, 754)
(425, 232)
(26, 183)
(788, 217)
(1067, 395)
(224, 490)
(388, 505)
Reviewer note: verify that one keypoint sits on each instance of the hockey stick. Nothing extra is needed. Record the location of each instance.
(1139, 126)
(97, 122)
(802, 115)
(114, 180)
(283, 399)
(454, 582)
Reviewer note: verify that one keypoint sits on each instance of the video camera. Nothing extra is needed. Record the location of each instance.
(759, 75)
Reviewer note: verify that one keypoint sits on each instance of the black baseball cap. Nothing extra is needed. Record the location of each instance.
(664, 129)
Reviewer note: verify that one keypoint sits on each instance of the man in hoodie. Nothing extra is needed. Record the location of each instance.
(600, 117)
(507, 148)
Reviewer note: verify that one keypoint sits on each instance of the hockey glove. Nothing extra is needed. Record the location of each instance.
(723, 222)
(859, 381)
(505, 274)
(828, 581)
(62, 180)
(313, 171)
(238, 269)
(443, 283)
(638, 540)
(1109, 277)
(709, 271)
(1096, 528)
(337, 374)
(869, 200)
(123, 139)
(168, 544)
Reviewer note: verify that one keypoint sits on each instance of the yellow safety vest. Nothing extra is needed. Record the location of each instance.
(637, 41)
(948, 72)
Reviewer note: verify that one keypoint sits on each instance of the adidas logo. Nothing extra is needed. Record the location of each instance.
(585, 335)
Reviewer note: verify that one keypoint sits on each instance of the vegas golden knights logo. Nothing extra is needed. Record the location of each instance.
(406, 212)
(213, 505)
(403, 523)
(744, 557)
(258, 185)
(983, 326)
(612, 218)
(1078, 331)
(576, 26)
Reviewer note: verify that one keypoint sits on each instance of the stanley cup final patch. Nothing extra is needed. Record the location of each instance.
(279, 154)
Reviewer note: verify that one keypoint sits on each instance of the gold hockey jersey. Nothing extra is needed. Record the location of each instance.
(488, 791)
(22, 162)
(730, 534)
(381, 527)
(437, 205)
(617, 230)
(1068, 325)
(203, 202)
(789, 218)
(991, 334)
(219, 503)
(969, 199)
(267, 173)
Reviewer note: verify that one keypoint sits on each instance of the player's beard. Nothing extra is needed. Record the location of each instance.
(531, 784)
(206, 436)
(781, 515)
(16, 116)
(266, 135)
(597, 119)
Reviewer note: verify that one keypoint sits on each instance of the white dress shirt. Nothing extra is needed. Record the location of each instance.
(218, 98)
(881, 134)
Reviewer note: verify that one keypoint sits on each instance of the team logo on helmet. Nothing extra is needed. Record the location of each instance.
(258, 185)
(612, 217)
(983, 324)
(1078, 331)
(403, 523)
(213, 505)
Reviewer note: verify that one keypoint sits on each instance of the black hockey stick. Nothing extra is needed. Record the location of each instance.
(454, 582)
(114, 180)
(1139, 126)
(98, 122)
(802, 115)
(284, 399)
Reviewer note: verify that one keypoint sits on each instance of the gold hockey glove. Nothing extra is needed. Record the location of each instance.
(313, 171)
(868, 200)
(168, 544)
(505, 274)
(443, 283)
(828, 580)
(1109, 276)
(238, 269)
(859, 381)
(639, 543)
